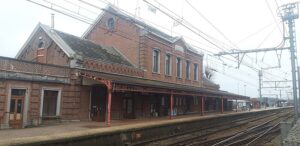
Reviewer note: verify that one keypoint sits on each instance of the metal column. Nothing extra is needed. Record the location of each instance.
(259, 88)
(109, 90)
(222, 105)
(290, 12)
(171, 106)
(236, 108)
(202, 105)
(291, 25)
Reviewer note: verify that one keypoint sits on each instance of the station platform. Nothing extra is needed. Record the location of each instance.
(121, 130)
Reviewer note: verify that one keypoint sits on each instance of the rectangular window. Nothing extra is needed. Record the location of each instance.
(155, 66)
(12, 105)
(50, 103)
(19, 105)
(18, 92)
(196, 72)
(178, 67)
(163, 101)
(195, 100)
(168, 64)
(187, 70)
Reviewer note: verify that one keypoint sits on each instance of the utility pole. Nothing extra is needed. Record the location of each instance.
(259, 83)
(279, 94)
(298, 81)
(289, 13)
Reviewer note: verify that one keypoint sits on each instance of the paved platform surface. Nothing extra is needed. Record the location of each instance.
(293, 138)
(71, 129)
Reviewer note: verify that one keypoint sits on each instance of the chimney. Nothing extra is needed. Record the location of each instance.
(52, 21)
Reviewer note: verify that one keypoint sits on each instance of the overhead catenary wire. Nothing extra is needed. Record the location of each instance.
(204, 49)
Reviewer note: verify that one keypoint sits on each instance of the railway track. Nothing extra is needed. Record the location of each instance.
(243, 131)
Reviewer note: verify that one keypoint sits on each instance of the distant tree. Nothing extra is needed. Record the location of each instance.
(209, 73)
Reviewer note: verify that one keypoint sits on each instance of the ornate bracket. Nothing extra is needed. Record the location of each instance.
(107, 83)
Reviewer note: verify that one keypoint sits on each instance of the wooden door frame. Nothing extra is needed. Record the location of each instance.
(25, 108)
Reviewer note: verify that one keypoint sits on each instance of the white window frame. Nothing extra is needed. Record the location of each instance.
(158, 61)
(180, 67)
(58, 102)
(170, 66)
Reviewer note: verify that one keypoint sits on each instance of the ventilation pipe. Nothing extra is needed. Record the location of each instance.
(52, 21)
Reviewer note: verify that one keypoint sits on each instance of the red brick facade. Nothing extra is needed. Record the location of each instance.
(84, 85)
(127, 37)
(51, 53)
(124, 37)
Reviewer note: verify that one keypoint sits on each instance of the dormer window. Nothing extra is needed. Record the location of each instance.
(110, 23)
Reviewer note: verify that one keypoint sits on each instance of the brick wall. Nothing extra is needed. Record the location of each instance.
(52, 54)
(74, 99)
(3, 95)
(166, 48)
(127, 38)
(124, 37)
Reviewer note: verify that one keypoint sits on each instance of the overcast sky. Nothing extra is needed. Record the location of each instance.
(247, 24)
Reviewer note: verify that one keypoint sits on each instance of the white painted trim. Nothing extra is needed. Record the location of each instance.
(25, 108)
(58, 103)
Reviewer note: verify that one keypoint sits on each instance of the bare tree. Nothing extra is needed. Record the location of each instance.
(209, 73)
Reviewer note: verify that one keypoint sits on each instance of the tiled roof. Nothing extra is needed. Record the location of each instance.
(79, 48)
(89, 49)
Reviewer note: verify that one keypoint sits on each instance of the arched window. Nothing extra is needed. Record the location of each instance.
(41, 44)
(110, 23)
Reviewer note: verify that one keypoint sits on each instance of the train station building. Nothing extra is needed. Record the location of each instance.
(121, 68)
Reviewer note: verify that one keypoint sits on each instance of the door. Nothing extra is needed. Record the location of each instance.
(128, 107)
(16, 108)
(98, 106)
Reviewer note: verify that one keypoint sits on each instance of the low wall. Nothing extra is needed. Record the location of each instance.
(116, 136)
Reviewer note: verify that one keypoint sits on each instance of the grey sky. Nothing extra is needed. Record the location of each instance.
(237, 19)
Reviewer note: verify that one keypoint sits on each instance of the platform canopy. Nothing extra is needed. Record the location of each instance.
(122, 83)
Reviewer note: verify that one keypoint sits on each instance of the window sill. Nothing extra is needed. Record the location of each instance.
(50, 117)
(169, 76)
(156, 73)
(179, 78)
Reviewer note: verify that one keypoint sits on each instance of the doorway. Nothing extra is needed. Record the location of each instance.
(16, 108)
(98, 103)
